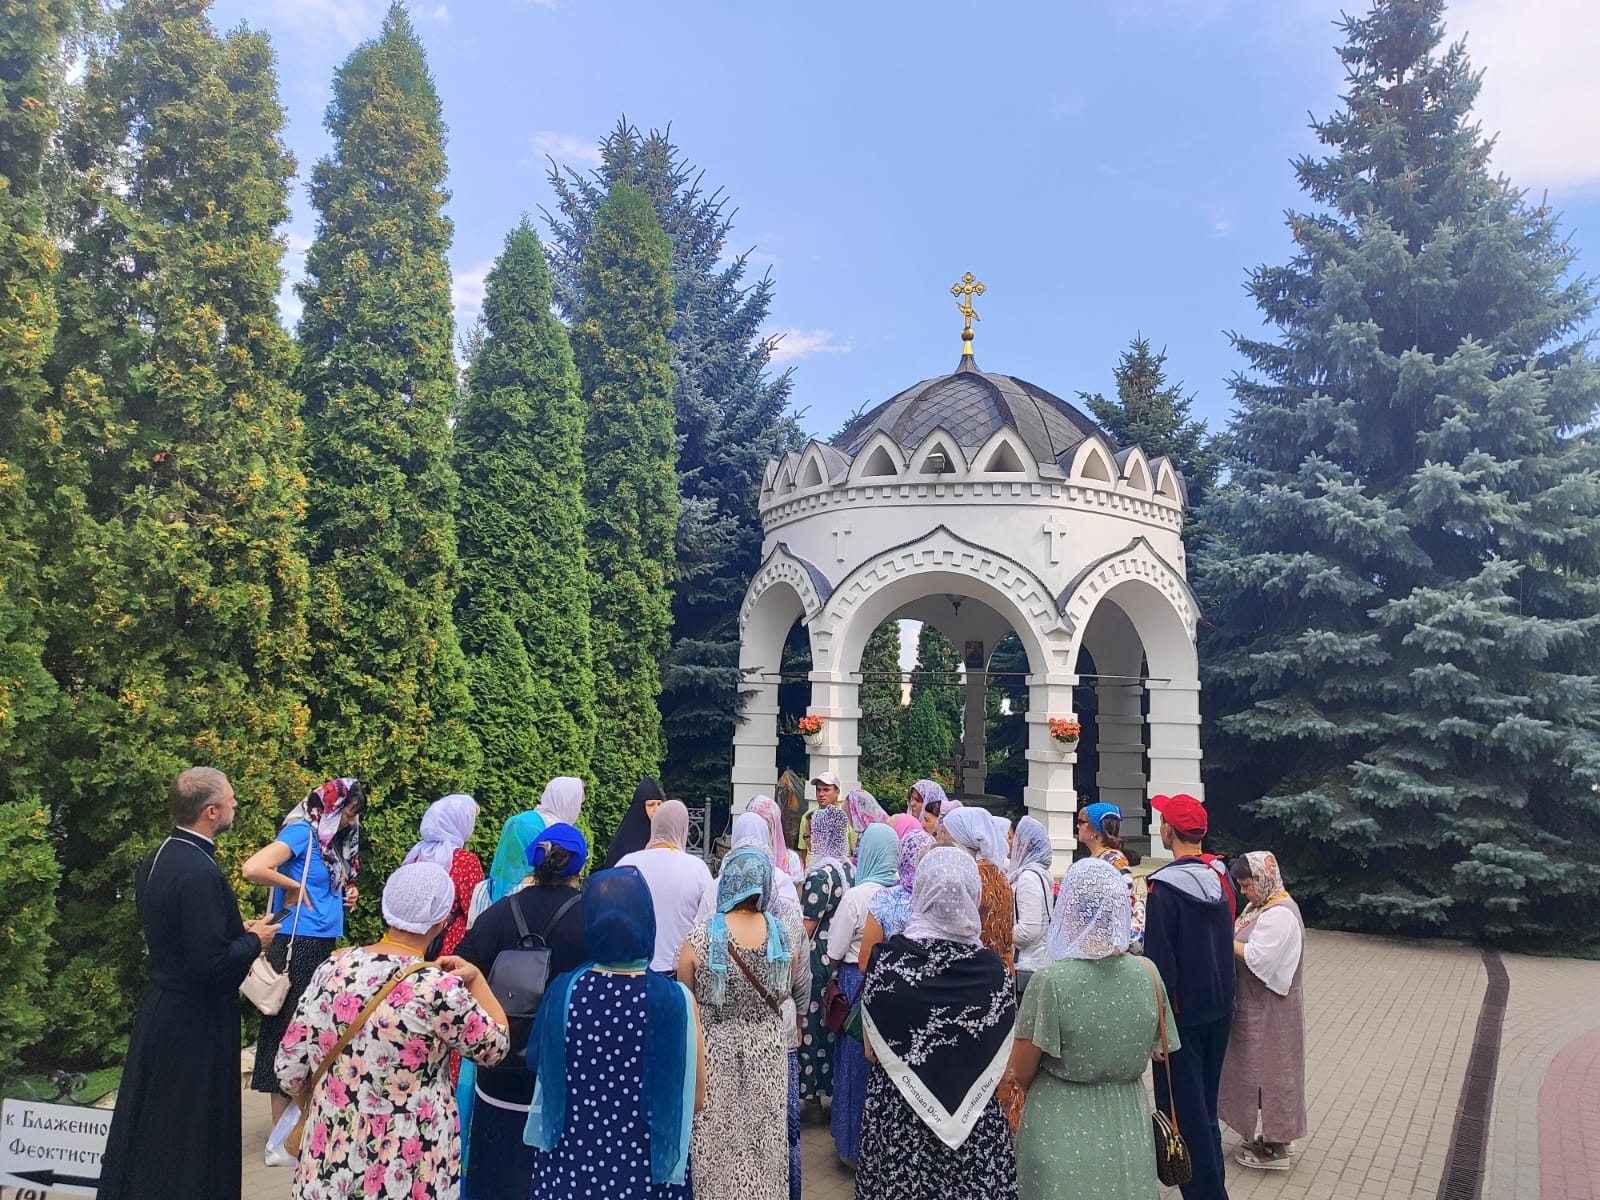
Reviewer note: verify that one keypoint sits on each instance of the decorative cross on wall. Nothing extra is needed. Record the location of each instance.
(1056, 531)
(841, 535)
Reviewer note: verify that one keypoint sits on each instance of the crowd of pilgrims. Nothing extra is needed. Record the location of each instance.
(966, 1024)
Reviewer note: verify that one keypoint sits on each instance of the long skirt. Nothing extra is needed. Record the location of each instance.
(501, 1164)
(794, 1125)
(309, 954)
(850, 1073)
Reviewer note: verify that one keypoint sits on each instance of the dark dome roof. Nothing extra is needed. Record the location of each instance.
(971, 404)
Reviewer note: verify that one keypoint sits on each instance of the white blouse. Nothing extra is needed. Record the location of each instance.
(1033, 921)
(1273, 951)
(850, 922)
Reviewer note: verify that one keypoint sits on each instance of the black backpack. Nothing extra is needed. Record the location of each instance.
(518, 979)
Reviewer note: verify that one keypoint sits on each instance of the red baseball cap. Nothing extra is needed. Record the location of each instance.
(1183, 812)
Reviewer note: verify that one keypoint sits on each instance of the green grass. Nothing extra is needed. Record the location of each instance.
(96, 1084)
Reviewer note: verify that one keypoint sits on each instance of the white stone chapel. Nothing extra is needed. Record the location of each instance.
(983, 504)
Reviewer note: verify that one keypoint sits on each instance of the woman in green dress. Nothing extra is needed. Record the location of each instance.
(1088, 1029)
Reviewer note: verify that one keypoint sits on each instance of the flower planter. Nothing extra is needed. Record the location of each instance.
(1067, 745)
(813, 741)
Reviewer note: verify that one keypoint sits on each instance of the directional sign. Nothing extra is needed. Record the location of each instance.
(52, 1148)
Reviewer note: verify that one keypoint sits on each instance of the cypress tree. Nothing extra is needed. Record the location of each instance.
(731, 416)
(933, 724)
(1153, 414)
(524, 603)
(882, 713)
(625, 362)
(30, 40)
(178, 434)
(1403, 569)
(391, 704)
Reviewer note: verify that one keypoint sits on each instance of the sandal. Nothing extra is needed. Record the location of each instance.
(1264, 1156)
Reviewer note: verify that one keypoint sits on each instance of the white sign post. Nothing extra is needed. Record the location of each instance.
(52, 1148)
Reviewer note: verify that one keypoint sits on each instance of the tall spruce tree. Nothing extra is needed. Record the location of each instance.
(625, 361)
(731, 416)
(523, 610)
(1153, 414)
(391, 703)
(31, 35)
(882, 712)
(1403, 571)
(178, 621)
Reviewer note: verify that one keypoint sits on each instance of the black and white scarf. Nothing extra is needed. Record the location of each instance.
(940, 1016)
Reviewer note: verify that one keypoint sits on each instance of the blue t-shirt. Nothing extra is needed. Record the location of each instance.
(327, 918)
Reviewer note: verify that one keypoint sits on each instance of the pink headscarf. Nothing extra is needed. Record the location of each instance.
(864, 810)
(767, 809)
(903, 824)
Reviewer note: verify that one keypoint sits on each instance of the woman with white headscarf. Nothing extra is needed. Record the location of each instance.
(1088, 1028)
(678, 881)
(389, 1088)
(937, 1011)
(973, 830)
(1034, 888)
(446, 829)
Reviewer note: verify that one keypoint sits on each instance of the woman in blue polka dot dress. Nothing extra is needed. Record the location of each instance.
(611, 1119)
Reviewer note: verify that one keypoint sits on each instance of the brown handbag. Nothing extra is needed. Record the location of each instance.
(1173, 1164)
(302, 1097)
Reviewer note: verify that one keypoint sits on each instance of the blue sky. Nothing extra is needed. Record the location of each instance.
(1105, 168)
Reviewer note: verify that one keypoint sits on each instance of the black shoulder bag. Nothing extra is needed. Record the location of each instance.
(518, 978)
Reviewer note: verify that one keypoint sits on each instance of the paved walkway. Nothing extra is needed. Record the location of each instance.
(1390, 1026)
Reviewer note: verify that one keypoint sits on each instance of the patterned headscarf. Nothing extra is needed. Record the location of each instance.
(864, 809)
(1032, 850)
(746, 872)
(875, 856)
(446, 827)
(1093, 918)
(562, 800)
(417, 897)
(323, 810)
(911, 849)
(751, 831)
(510, 864)
(830, 838)
(767, 809)
(944, 900)
(1269, 885)
(929, 790)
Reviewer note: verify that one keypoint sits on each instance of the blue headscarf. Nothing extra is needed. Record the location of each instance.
(1097, 813)
(570, 838)
(746, 872)
(621, 926)
(876, 856)
(510, 864)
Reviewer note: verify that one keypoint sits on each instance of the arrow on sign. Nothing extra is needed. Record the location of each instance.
(49, 1177)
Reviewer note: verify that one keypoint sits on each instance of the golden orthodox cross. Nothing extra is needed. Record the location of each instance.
(964, 292)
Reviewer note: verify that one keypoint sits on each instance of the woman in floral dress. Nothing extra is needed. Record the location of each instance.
(382, 1121)
(828, 878)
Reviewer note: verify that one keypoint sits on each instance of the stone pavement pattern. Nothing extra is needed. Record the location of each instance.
(1389, 1029)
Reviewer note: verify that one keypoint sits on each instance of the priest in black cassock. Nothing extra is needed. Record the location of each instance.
(175, 1133)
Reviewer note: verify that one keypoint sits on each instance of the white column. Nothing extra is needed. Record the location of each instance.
(1174, 747)
(755, 745)
(1121, 778)
(837, 701)
(1051, 796)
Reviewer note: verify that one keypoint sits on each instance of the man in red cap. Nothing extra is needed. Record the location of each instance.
(1189, 937)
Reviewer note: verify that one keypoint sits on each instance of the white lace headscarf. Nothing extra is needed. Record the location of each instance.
(944, 898)
(1032, 851)
(446, 828)
(1002, 839)
(417, 897)
(562, 800)
(1093, 918)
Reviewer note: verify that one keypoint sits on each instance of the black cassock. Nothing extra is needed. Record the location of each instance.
(175, 1133)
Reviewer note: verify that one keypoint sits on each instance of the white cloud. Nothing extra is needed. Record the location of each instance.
(566, 148)
(1220, 218)
(790, 345)
(294, 269)
(466, 292)
(1541, 93)
(347, 21)
(441, 14)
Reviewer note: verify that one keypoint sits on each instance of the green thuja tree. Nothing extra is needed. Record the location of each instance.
(178, 610)
(1153, 414)
(731, 415)
(31, 35)
(882, 713)
(1402, 573)
(625, 361)
(523, 610)
(391, 703)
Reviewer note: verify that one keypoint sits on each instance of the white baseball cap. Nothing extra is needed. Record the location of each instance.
(830, 779)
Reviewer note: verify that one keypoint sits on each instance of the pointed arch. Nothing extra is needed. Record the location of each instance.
(810, 473)
(1005, 454)
(878, 458)
(1135, 470)
(1092, 462)
(939, 441)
